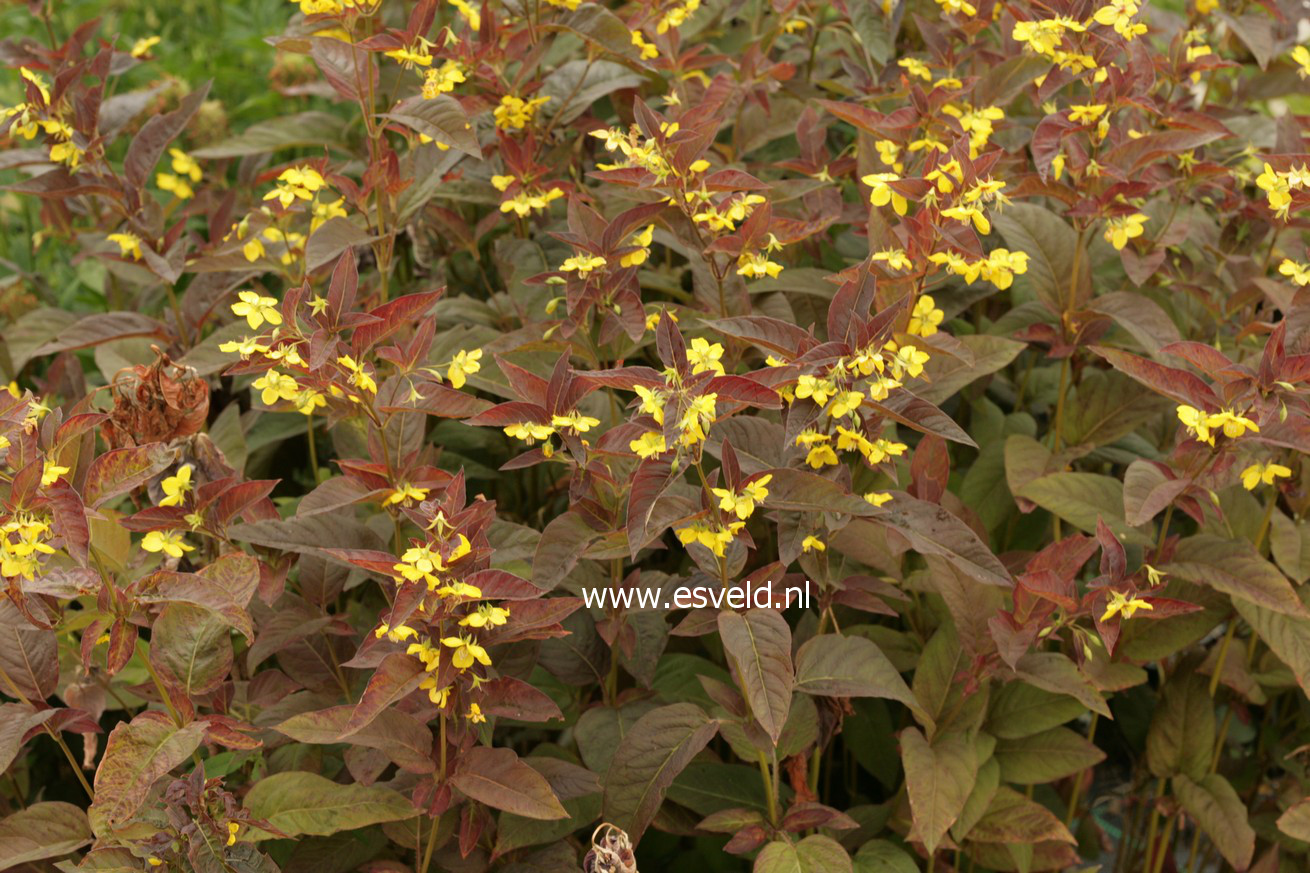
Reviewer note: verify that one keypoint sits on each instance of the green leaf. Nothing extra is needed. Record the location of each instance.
(653, 752)
(1021, 710)
(1105, 406)
(1053, 671)
(1220, 813)
(801, 491)
(1013, 818)
(948, 373)
(1295, 821)
(581, 83)
(1237, 570)
(1290, 543)
(1289, 637)
(1082, 499)
(882, 856)
(137, 754)
(43, 830)
(933, 530)
(119, 471)
(498, 778)
(313, 129)
(1002, 82)
(16, 719)
(758, 646)
(298, 803)
(1046, 756)
(397, 735)
(1051, 244)
(814, 854)
(1182, 733)
(441, 118)
(192, 645)
(831, 665)
(938, 778)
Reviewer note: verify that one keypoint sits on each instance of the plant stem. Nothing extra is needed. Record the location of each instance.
(1078, 780)
(432, 831)
(768, 789)
(52, 733)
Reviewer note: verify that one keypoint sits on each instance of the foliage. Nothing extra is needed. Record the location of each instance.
(337, 404)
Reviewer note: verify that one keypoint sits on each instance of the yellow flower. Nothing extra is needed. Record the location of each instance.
(324, 210)
(142, 46)
(486, 616)
(755, 265)
(184, 165)
(1045, 36)
(1233, 425)
(50, 473)
(128, 244)
(881, 193)
(359, 377)
(647, 50)
(275, 386)
(439, 696)
(820, 455)
(529, 432)
(1301, 55)
(652, 402)
(813, 543)
(397, 634)
(844, 403)
(1196, 422)
(176, 487)
(1126, 605)
(703, 356)
(965, 214)
(913, 67)
(405, 493)
(418, 54)
(700, 413)
(515, 113)
(925, 318)
(818, 390)
(877, 498)
(1297, 272)
(642, 239)
(168, 542)
(896, 259)
(464, 364)
(1267, 473)
(908, 359)
(648, 445)
(474, 714)
(1001, 266)
(742, 504)
(256, 309)
(1277, 188)
(576, 421)
(1118, 231)
(175, 185)
(442, 80)
(889, 152)
(583, 264)
(296, 183)
(469, 13)
(466, 652)
(1086, 114)
(716, 539)
(232, 828)
(1119, 15)
(308, 400)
